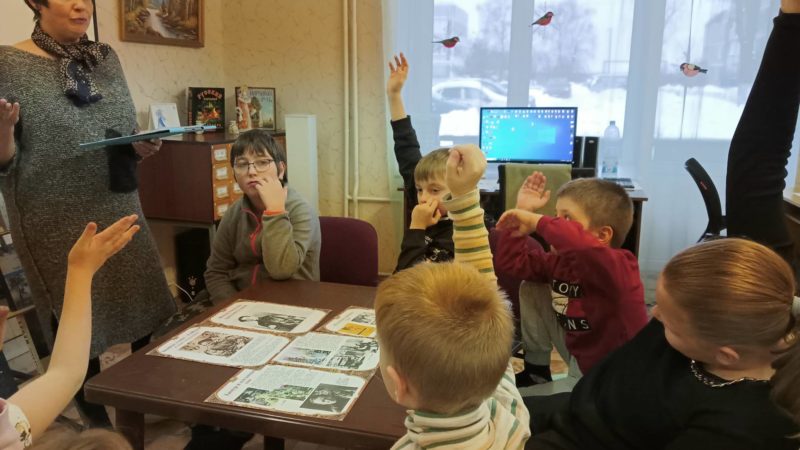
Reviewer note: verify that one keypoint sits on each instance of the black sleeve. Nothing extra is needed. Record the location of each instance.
(406, 150)
(412, 250)
(762, 142)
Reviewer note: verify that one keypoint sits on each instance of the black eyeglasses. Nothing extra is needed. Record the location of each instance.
(261, 165)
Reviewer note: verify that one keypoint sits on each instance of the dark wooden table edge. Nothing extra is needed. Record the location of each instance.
(133, 426)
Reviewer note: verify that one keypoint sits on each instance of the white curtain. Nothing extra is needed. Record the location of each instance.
(613, 59)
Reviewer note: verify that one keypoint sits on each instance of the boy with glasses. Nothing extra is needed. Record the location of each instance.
(271, 232)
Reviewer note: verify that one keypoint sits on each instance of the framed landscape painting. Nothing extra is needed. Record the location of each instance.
(167, 22)
(255, 108)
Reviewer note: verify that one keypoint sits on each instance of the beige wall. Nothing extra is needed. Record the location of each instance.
(295, 46)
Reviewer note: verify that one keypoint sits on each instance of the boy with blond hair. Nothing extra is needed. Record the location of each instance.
(429, 236)
(445, 332)
(595, 300)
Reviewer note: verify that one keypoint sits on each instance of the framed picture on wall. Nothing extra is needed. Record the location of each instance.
(167, 22)
(255, 108)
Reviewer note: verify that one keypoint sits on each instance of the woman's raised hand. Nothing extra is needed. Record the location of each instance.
(9, 114)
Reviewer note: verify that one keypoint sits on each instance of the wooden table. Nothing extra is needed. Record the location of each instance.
(143, 384)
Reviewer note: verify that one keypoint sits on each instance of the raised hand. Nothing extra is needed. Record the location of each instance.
(272, 193)
(9, 114)
(398, 73)
(790, 6)
(425, 215)
(519, 222)
(465, 167)
(532, 194)
(93, 249)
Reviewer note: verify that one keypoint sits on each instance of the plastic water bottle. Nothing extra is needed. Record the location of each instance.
(610, 149)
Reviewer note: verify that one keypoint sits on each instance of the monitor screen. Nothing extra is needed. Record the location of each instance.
(528, 134)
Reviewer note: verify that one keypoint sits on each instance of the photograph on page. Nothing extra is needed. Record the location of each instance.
(330, 351)
(272, 317)
(222, 346)
(353, 321)
(292, 390)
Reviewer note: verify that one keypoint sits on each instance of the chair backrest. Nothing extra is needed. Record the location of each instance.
(513, 175)
(349, 251)
(716, 220)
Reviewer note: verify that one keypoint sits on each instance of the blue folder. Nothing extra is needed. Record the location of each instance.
(146, 135)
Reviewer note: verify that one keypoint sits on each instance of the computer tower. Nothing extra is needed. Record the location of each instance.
(192, 249)
(590, 144)
(577, 151)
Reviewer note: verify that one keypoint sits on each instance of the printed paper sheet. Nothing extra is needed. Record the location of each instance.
(272, 317)
(292, 390)
(330, 351)
(222, 346)
(354, 321)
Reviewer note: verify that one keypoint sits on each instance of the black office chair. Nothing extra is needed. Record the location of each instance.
(716, 220)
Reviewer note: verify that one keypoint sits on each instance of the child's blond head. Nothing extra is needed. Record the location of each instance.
(604, 203)
(447, 330)
(432, 167)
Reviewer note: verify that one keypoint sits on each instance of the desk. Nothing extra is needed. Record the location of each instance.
(143, 384)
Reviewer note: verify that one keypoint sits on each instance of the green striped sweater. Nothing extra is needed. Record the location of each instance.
(500, 422)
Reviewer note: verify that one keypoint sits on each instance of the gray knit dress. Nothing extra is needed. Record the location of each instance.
(53, 189)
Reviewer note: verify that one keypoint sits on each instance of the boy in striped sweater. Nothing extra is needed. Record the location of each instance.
(445, 332)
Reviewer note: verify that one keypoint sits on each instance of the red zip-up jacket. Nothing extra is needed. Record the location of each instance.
(605, 306)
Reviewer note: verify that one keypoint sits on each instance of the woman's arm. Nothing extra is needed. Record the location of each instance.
(9, 116)
(763, 139)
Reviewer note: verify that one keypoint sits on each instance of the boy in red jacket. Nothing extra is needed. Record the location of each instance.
(595, 301)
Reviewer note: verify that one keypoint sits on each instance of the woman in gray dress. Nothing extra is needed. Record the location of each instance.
(57, 90)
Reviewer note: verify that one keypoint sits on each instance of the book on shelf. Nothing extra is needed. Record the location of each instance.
(206, 105)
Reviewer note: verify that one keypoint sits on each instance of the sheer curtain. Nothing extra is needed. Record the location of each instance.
(613, 59)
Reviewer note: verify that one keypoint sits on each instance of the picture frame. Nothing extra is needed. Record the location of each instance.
(175, 22)
(256, 108)
(163, 115)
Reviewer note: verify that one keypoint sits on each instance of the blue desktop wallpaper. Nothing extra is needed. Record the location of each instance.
(528, 134)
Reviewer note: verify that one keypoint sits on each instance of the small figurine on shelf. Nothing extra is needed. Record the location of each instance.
(233, 128)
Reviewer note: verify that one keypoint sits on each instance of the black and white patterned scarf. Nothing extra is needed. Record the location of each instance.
(77, 62)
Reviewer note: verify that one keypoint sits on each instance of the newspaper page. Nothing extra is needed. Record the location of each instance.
(354, 321)
(222, 346)
(273, 317)
(292, 390)
(330, 351)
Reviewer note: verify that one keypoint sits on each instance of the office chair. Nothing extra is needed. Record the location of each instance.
(716, 220)
(511, 177)
(349, 251)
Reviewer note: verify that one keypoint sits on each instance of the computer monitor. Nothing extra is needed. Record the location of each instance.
(528, 135)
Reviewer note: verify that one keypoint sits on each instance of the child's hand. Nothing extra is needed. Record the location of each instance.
(465, 167)
(532, 195)
(425, 215)
(92, 249)
(398, 73)
(520, 222)
(272, 193)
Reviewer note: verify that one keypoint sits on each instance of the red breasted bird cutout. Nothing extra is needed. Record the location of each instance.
(691, 70)
(449, 43)
(544, 20)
